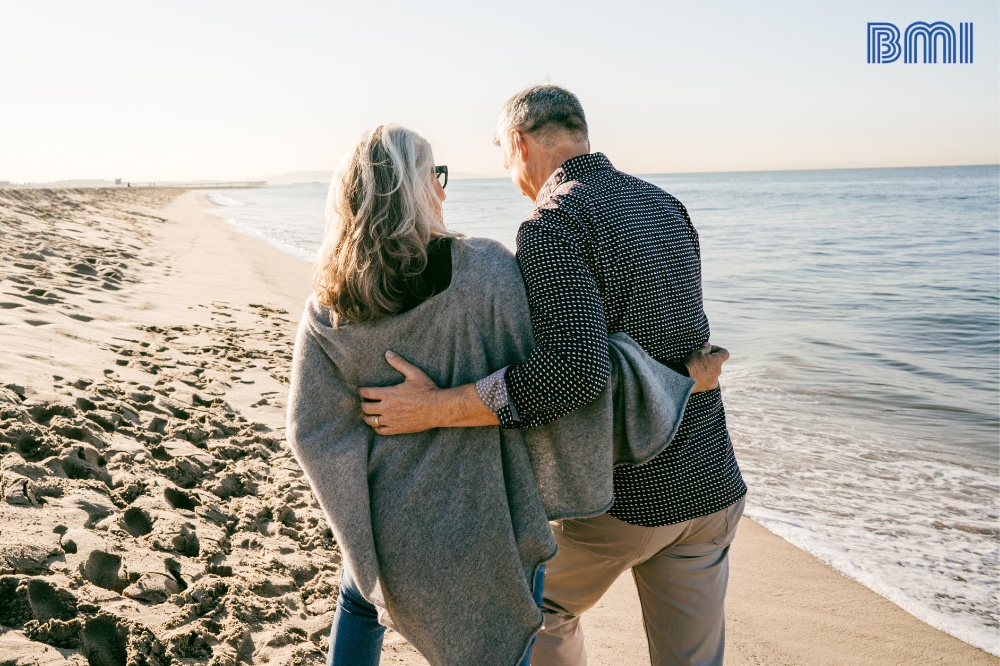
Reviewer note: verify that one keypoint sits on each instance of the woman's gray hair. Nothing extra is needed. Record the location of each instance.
(541, 110)
(381, 212)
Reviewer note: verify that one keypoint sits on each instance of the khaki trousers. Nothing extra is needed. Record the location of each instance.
(680, 571)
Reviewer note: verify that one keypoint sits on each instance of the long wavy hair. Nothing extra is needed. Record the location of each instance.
(381, 212)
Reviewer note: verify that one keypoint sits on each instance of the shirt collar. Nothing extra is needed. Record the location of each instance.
(572, 169)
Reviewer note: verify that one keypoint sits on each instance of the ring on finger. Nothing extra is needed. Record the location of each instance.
(377, 424)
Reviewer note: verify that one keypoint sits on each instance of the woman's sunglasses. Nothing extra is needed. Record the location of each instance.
(441, 173)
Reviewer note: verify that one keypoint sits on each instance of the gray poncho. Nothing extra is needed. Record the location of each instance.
(443, 530)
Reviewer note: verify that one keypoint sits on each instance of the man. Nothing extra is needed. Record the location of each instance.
(605, 252)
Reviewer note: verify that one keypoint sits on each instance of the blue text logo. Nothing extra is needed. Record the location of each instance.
(921, 42)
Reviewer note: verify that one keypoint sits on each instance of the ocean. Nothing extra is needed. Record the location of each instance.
(862, 311)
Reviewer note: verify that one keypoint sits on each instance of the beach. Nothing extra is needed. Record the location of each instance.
(152, 513)
(842, 294)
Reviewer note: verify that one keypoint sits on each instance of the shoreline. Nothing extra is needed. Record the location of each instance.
(177, 295)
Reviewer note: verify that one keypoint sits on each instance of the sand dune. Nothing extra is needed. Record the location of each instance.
(150, 512)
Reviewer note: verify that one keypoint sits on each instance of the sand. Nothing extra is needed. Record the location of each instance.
(151, 513)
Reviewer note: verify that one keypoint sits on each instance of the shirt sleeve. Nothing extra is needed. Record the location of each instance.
(570, 366)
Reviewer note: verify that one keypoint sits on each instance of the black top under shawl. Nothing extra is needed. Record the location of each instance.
(435, 278)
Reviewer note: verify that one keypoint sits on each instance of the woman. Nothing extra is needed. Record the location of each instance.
(443, 533)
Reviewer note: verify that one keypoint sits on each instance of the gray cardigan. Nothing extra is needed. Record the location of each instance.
(443, 530)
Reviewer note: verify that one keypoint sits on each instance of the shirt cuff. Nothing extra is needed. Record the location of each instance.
(492, 391)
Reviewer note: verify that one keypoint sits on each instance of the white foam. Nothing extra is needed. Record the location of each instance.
(920, 532)
(223, 200)
(288, 223)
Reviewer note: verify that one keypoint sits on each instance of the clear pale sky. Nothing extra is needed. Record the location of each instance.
(213, 89)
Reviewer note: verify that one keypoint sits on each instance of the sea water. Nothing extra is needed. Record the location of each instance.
(861, 308)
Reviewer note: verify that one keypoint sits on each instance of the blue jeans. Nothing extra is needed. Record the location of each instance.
(356, 636)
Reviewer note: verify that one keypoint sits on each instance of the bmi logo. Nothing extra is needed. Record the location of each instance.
(920, 40)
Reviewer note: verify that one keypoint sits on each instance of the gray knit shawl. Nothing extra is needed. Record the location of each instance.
(444, 530)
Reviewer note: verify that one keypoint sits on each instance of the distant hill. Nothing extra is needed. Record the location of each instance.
(290, 178)
(62, 184)
(299, 177)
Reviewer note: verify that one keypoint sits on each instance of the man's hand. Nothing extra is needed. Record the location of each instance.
(403, 408)
(705, 365)
(418, 404)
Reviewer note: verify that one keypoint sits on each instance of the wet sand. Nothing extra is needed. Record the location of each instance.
(150, 512)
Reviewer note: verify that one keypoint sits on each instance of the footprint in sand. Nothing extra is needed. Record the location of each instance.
(48, 602)
(137, 522)
(42, 296)
(83, 269)
(78, 463)
(44, 412)
(104, 570)
(31, 443)
(179, 499)
(102, 643)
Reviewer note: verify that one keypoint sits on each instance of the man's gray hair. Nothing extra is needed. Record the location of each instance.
(543, 110)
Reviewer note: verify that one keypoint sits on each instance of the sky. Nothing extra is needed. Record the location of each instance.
(212, 89)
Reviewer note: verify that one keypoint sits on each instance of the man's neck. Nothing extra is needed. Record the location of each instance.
(555, 159)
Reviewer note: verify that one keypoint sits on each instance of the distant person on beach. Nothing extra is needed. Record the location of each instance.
(604, 252)
(444, 534)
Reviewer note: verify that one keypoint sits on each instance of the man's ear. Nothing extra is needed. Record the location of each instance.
(519, 145)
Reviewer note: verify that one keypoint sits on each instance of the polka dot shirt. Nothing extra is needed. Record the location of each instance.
(605, 252)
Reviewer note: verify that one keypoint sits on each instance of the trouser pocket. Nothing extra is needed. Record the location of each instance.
(733, 514)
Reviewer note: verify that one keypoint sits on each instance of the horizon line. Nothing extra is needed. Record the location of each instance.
(686, 173)
(473, 176)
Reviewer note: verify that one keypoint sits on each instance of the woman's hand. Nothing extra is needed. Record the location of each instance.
(705, 366)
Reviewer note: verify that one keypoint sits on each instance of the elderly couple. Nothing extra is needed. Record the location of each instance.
(589, 349)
